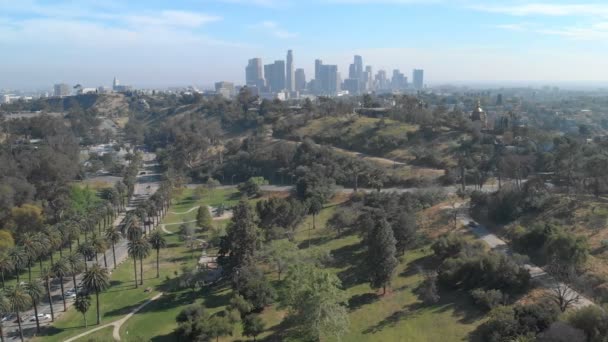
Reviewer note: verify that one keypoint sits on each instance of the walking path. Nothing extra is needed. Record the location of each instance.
(544, 279)
(116, 324)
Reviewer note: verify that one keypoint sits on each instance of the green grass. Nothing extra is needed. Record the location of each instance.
(185, 201)
(103, 335)
(397, 316)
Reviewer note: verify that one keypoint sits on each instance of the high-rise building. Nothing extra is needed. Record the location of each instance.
(358, 67)
(329, 81)
(382, 82)
(254, 76)
(275, 76)
(418, 78)
(289, 77)
(399, 81)
(300, 80)
(61, 89)
(226, 89)
(115, 83)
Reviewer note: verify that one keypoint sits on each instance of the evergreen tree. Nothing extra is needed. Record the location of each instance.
(241, 240)
(381, 260)
(203, 218)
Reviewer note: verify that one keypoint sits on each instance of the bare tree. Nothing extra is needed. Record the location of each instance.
(560, 291)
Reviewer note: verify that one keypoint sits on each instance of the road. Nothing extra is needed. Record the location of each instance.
(537, 273)
(146, 186)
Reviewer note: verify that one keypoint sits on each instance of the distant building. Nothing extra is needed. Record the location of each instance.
(254, 73)
(300, 80)
(382, 82)
(328, 82)
(61, 90)
(398, 81)
(82, 91)
(418, 78)
(115, 83)
(290, 82)
(479, 117)
(225, 89)
(275, 76)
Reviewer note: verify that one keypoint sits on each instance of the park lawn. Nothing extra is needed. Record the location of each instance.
(184, 202)
(121, 297)
(103, 335)
(396, 316)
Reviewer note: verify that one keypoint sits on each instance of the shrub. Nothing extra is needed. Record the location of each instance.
(592, 320)
(488, 299)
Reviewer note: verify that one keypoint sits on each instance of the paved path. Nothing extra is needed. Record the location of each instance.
(537, 273)
(116, 324)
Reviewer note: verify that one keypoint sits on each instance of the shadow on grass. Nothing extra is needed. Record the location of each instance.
(350, 257)
(357, 301)
(456, 301)
(428, 262)
(314, 241)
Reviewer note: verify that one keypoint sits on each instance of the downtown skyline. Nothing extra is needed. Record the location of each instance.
(191, 42)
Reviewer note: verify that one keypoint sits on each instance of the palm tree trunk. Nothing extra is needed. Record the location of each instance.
(19, 323)
(36, 315)
(96, 258)
(65, 307)
(105, 260)
(1, 332)
(114, 255)
(97, 299)
(52, 262)
(141, 271)
(2, 276)
(157, 262)
(135, 270)
(74, 278)
(29, 271)
(17, 275)
(48, 294)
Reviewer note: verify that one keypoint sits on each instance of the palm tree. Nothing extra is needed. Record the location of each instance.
(99, 244)
(144, 252)
(134, 231)
(96, 280)
(157, 240)
(53, 238)
(132, 250)
(18, 300)
(87, 251)
(18, 258)
(32, 245)
(76, 263)
(113, 236)
(6, 265)
(82, 305)
(61, 269)
(46, 275)
(35, 291)
(4, 309)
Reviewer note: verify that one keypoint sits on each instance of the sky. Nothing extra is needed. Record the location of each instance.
(157, 43)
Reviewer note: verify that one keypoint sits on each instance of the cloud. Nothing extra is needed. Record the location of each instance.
(274, 29)
(546, 9)
(512, 27)
(173, 19)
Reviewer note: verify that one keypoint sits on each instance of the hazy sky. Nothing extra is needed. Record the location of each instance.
(181, 42)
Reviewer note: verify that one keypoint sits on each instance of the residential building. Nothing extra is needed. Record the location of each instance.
(226, 89)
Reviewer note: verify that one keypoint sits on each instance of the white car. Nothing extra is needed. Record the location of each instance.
(41, 317)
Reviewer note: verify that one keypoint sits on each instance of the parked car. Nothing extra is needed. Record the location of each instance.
(41, 317)
(8, 317)
(472, 224)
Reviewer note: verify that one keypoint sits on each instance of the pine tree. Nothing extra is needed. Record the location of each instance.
(203, 218)
(381, 260)
(241, 240)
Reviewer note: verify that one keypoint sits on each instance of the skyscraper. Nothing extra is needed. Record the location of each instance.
(399, 81)
(289, 79)
(329, 79)
(300, 80)
(254, 76)
(61, 90)
(275, 76)
(115, 83)
(382, 81)
(358, 67)
(418, 78)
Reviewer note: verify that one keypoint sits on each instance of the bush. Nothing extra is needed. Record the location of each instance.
(562, 332)
(427, 290)
(592, 320)
(508, 323)
(488, 299)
